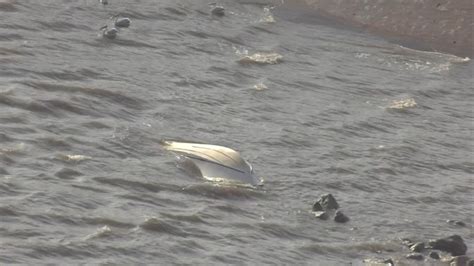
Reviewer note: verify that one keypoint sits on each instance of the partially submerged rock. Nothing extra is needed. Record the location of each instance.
(456, 222)
(453, 244)
(122, 22)
(341, 217)
(218, 11)
(327, 202)
(434, 255)
(109, 33)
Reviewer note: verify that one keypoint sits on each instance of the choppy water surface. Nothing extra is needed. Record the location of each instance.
(316, 109)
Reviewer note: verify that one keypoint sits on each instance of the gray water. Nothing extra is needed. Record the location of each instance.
(83, 179)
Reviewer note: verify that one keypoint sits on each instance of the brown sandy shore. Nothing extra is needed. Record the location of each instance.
(434, 25)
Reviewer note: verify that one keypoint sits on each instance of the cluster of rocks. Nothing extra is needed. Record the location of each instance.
(435, 249)
(119, 22)
(450, 249)
(326, 206)
(124, 22)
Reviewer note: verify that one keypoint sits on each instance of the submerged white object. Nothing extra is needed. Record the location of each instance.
(215, 163)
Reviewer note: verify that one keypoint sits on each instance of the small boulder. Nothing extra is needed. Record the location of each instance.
(453, 244)
(321, 215)
(340, 217)
(218, 11)
(434, 255)
(122, 22)
(415, 256)
(326, 202)
(417, 247)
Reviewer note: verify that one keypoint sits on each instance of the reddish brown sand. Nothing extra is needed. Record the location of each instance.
(436, 25)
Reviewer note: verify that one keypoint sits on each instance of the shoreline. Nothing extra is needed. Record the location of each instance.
(439, 26)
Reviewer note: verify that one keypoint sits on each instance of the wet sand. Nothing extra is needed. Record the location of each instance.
(443, 26)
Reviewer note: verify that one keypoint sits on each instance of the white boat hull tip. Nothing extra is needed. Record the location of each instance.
(213, 162)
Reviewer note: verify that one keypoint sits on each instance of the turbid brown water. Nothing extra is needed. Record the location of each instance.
(314, 107)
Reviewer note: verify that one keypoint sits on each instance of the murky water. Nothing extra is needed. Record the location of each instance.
(316, 109)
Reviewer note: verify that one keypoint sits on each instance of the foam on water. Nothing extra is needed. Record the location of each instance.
(262, 58)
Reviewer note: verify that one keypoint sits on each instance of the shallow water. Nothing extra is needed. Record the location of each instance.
(83, 179)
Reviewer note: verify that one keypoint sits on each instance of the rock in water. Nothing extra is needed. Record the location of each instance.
(122, 22)
(109, 33)
(340, 217)
(455, 222)
(434, 255)
(218, 11)
(327, 202)
(453, 244)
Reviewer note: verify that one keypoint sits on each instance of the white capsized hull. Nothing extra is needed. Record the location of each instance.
(216, 163)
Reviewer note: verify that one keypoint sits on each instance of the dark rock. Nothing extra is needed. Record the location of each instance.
(456, 222)
(218, 11)
(321, 215)
(417, 247)
(326, 202)
(470, 263)
(415, 256)
(434, 255)
(459, 261)
(389, 262)
(340, 217)
(122, 22)
(453, 244)
(460, 223)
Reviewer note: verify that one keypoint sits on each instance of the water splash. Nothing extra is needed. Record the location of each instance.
(403, 104)
(260, 86)
(19, 148)
(74, 157)
(267, 15)
(104, 231)
(262, 58)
